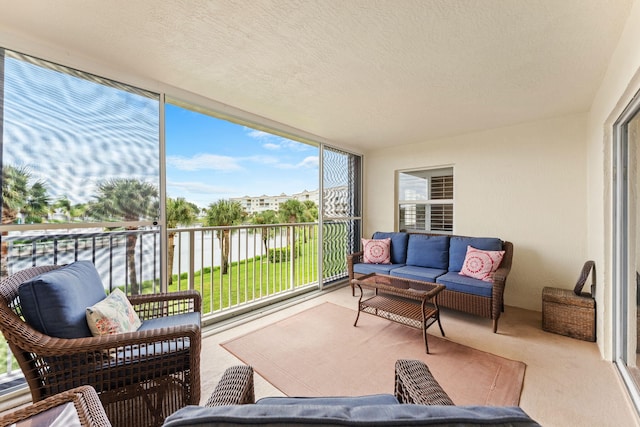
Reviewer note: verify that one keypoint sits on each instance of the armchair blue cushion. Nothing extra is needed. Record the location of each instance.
(54, 303)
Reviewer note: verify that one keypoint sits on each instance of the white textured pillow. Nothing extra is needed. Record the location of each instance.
(481, 264)
(376, 251)
(113, 315)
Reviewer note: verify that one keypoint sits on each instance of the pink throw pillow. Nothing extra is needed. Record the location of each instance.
(376, 251)
(481, 264)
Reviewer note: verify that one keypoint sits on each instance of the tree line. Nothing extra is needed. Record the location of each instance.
(130, 200)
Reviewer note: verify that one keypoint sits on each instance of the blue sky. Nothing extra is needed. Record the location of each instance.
(210, 159)
(73, 133)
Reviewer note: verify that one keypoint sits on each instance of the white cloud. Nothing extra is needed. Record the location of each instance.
(271, 146)
(204, 162)
(198, 187)
(275, 142)
(310, 162)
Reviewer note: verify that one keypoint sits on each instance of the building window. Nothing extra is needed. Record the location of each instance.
(425, 200)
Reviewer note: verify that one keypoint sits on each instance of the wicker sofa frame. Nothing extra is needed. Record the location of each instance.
(487, 307)
(84, 399)
(414, 383)
(140, 377)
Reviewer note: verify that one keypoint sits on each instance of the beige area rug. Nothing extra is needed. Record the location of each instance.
(319, 352)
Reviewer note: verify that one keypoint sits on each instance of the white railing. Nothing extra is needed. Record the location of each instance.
(264, 263)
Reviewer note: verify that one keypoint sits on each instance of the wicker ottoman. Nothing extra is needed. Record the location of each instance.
(565, 313)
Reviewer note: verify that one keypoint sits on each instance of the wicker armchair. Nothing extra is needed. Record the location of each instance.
(414, 384)
(140, 377)
(85, 400)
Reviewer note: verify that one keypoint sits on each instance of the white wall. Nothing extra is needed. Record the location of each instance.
(620, 83)
(524, 183)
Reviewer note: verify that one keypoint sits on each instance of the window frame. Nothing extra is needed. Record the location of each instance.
(426, 173)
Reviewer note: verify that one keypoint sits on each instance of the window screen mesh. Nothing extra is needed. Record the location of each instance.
(69, 138)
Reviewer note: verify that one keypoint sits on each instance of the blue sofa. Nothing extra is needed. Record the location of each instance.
(418, 401)
(438, 259)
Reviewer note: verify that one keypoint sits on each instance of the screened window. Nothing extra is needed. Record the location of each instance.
(80, 163)
(71, 142)
(425, 200)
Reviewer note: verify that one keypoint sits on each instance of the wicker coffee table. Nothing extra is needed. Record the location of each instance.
(409, 302)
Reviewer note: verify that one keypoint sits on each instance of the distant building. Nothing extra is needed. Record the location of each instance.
(335, 201)
(254, 204)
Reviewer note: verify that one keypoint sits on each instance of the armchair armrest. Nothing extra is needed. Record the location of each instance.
(151, 306)
(415, 384)
(85, 399)
(235, 387)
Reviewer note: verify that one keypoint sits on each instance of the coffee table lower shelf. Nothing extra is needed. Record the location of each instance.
(397, 303)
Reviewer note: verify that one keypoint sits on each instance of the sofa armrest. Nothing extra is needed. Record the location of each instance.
(499, 283)
(352, 259)
(415, 384)
(234, 388)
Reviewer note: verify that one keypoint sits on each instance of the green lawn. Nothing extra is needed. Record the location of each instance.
(244, 282)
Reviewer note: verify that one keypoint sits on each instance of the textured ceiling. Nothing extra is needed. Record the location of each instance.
(360, 73)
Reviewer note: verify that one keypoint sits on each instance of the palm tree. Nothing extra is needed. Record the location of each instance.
(62, 204)
(291, 211)
(263, 218)
(37, 203)
(78, 210)
(179, 212)
(310, 215)
(221, 213)
(128, 200)
(15, 186)
(15, 189)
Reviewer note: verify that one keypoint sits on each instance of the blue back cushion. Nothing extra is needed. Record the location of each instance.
(398, 245)
(367, 400)
(458, 248)
(428, 251)
(55, 302)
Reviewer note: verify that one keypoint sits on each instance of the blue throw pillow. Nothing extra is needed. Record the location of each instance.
(55, 302)
(428, 251)
(458, 248)
(398, 245)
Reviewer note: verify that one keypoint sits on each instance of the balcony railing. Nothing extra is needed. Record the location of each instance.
(234, 268)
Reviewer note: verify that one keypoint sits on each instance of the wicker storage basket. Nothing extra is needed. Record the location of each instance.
(565, 313)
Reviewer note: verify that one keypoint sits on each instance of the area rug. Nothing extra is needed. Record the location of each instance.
(318, 352)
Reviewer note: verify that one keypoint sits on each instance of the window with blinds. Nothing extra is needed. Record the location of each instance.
(425, 200)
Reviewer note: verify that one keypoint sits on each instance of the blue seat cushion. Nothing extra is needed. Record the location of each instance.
(399, 241)
(428, 251)
(458, 248)
(192, 318)
(468, 285)
(418, 273)
(364, 268)
(55, 302)
(373, 399)
(373, 415)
